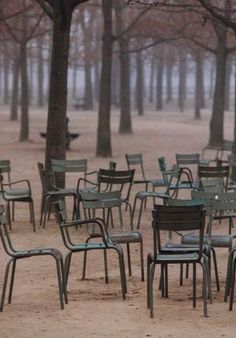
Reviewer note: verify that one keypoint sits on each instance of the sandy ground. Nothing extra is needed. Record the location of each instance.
(96, 309)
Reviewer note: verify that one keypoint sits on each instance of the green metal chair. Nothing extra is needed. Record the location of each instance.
(16, 255)
(176, 178)
(15, 192)
(212, 176)
(101, 241)
(189, 161)
(106, 202)
(51, 193)
(79, 168)
(176, 219)
(223, 208)
(135, 161)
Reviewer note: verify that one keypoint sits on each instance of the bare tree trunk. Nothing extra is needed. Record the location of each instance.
(199, 86)
(97, 70)
(115, 83)
(15, 90)
(24, 128)
(169, 76)
(6, 78)
(152, 72)
(88, 94)
(40, 72)
(160, 73)
(182, 80)
(104, 147)
(57, 105)
(139, 83)
(125, 111)
(216, 136)
(227, 82)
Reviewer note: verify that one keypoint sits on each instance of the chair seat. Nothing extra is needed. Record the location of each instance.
(157, 182)
(126, 237)
(144, 194)
(37, 252)
(16, 198)
(175, 258)
(17, 192)
(224, 241)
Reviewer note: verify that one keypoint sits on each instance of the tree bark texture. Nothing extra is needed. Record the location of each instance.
(104, 148)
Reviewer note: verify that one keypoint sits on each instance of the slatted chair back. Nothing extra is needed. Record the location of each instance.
(116, 180)
(211, 173)
(59, 166)
(182, 219)
(103, 201)
(5, 167)
(136, 161)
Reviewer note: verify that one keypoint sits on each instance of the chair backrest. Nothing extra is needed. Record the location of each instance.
(187, 159)
(136, 161)
(225, 151)
(118, 180)
(47, 179)
(5, 167)
(190, 161)
(214, 172)
(164, 169)
(182, 219)
(60, 166)
(101, 200)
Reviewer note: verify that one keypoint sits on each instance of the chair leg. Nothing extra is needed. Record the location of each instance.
(181, 274)
(61, 286)
(151, 276)
(141, 260)
(133, 211)
(8, 215)
(41, 210)
(194, 285)
(5, 284)
(32, 218)
(228, 275)
(129, 259)
(120, 253)
(232, 284)
(63, 278)
(67, 265)
(205, 287)
(216, 269)
(149, 261)
(13, 211)
(140, 213)
(46, 210)
(105, 266)
(12, 281)
(166, 280)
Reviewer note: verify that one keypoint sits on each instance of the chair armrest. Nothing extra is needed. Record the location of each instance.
(19, 182)
(91, 173)
(98, 221)
(81, 179)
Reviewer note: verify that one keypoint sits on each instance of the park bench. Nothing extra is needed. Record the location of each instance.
(69, 137)
(79, 103)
